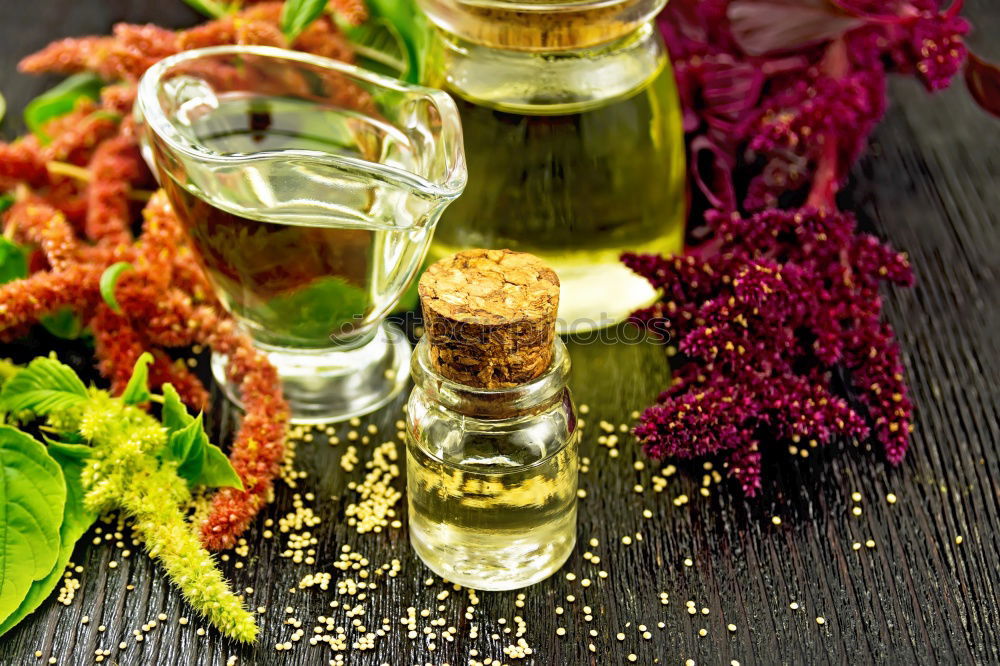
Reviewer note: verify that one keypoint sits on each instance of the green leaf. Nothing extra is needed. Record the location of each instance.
(76, 521)
(45, 386)
(137, 390)
(296, 15)
(109, 279)
(215, 470)
(209, 8)
(6, 201)
(63, 323)
(174, 414)
(32, 503)
(75, 448)
(413, 27)
(313, 312)
(218, 472)
(378, 46)
(7, 371)
(187, 447)
(13, 261)
(60, 100)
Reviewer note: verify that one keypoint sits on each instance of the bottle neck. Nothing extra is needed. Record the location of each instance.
(504, 403)
(550, 82)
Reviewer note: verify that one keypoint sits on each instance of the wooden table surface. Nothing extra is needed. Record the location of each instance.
(930, 185)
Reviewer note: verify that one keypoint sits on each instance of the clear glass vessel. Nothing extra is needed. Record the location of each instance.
(492, 475)
(573, 137)
(310, 190)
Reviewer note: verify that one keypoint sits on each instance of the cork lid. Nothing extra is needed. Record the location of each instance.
(490, 317)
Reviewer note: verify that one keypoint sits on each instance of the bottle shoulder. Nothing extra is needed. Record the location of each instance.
(555, 83)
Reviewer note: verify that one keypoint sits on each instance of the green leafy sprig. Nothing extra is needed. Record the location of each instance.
(109, 280)
(394, 40)
(296, 15)
(104, 453)
(60, 100)
(213, 9)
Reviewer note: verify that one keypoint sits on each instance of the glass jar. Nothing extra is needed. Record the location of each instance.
(492, 475)
(573, 140)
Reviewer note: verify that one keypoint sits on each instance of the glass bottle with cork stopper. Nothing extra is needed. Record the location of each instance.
(491, 427)
(573, 139)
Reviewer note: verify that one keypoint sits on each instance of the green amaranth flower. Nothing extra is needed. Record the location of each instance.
(125, 471)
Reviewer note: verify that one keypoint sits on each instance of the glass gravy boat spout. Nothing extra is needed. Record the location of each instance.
(310, 190)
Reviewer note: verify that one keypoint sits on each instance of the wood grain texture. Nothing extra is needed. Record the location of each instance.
(929, 185)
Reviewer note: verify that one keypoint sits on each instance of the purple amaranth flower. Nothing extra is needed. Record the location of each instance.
(756, 74)
(771, 310)
(785, 299)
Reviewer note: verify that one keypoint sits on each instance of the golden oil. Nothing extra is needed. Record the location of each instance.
(492, 519)
(574, 154)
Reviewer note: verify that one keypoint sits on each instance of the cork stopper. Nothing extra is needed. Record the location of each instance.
(490, 317)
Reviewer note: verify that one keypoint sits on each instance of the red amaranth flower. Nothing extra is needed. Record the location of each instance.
(166, 300)
(75, 135)
(133, 49)
(33, 221)
(116, 165)
(259, 445)
(117, 342)
(22, 160)
(165, 303)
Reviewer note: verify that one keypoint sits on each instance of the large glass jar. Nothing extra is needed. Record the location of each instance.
(573, 139)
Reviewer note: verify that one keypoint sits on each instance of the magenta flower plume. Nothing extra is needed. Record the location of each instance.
(763, 324)
(775, 320)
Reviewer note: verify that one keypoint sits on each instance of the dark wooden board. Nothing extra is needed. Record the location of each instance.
(930, 185)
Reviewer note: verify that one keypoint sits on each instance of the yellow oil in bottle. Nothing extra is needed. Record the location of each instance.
(499, 517)
(576, 184)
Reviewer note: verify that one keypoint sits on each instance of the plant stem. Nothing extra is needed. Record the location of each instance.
(823, 193)
(80, 173)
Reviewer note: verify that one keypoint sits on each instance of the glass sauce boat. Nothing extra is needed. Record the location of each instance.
(310, 190)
